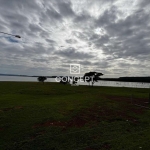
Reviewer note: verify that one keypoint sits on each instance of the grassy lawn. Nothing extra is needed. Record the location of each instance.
(51, 116)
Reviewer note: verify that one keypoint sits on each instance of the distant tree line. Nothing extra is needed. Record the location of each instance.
(129, 79)
(92, 77)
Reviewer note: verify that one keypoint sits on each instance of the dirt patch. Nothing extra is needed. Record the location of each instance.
(131, 102)
(51, 123)
(7, 109)
(37, 135)
(95, 115)
(18, 107)
(1, 129)
(118, 98)
(11, 108)
(105, 146)
(130, 99)
(89, 148)
(141, 101)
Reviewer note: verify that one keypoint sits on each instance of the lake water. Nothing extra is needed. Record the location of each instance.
(100, 83)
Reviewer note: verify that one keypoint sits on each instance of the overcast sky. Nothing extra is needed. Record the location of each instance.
(109, 36)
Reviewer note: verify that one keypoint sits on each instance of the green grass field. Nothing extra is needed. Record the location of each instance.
(51, 116)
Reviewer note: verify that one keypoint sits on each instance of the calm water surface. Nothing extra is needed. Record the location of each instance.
(100, 83)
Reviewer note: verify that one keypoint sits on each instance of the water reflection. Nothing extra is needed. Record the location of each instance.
(123, 84)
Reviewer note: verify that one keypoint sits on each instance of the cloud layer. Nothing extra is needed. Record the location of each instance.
(108, 36)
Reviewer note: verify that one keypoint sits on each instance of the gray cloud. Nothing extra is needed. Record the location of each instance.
(65, 8)
(34, 28)
(84, 17)
(51, 15)
(109, 16)
(104, 35)
(72, 53)
(71, 41)
(144, 3)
